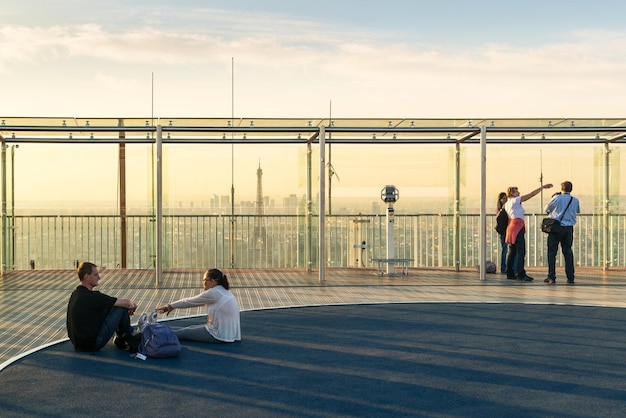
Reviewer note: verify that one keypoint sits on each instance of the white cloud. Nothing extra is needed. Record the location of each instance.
(282, 65)
(119, 84)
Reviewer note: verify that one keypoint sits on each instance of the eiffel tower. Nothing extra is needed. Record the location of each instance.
(259, 223)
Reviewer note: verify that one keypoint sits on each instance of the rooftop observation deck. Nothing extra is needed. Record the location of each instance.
(443, 343)
(33, 302)
(521, 374)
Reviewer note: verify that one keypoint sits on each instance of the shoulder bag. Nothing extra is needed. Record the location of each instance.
(551, 225)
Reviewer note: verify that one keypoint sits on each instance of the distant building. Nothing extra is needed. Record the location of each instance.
(290, 203)
(224, 202)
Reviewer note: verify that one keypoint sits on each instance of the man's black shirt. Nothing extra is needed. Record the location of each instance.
(85, 312)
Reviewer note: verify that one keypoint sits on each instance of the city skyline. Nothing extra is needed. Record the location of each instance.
(198, 173)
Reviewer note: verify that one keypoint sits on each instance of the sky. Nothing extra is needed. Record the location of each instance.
(398, 58)
(292, 58)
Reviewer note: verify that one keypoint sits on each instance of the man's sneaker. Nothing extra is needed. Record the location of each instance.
(549, 280)
(154, 317)
(141, 324)
(132, 342)
(525, 278)
(120, 342)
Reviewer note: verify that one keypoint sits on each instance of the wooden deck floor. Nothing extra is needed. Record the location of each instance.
(33, 302)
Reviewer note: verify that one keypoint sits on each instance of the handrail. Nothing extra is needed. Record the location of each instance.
(199, 240)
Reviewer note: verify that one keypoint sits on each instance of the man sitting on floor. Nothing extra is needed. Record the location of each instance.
(93, 317)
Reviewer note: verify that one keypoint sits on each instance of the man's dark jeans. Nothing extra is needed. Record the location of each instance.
(117, 321)
(565, 238)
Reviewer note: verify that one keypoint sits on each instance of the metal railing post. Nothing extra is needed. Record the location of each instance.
(483, 195)
(159, 205)
(4, 208)
(322, 209)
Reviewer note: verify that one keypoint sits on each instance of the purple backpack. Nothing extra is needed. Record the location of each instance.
(159, 341)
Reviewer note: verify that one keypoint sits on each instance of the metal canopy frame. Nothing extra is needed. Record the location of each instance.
(293, 131)
(305, 131)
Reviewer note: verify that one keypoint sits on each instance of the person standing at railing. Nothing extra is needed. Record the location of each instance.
(93, 317)
(563, 207)
(502, 221)
(516, 233)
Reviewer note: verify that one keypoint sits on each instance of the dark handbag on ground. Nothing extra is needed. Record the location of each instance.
(550, 225)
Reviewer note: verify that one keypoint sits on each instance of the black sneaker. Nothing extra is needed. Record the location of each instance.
(120, 343)
(525, 279)
(133, 342)
(570, 281)
(549, 280)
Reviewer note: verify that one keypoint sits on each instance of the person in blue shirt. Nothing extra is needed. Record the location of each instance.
(558, 209)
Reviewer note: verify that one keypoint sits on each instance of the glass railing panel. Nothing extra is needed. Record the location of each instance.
(279, 241)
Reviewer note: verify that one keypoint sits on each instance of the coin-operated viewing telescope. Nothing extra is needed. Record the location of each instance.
(390, 195)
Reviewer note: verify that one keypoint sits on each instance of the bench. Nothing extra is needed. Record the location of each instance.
(380, 264)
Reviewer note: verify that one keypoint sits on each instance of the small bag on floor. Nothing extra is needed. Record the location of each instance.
(159, 341)
(490, 267)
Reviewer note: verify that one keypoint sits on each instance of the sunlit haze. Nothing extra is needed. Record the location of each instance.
(358, 59)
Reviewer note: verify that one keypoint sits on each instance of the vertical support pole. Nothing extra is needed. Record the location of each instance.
(322, 208)
(122, 192)
(457, 207)
(390, 240)
(607, 203)
(232, 222)
(232, 165)
(483, 201)
(309, 209)
(159, 205)
(3, 157)
(12, 250)
(330, 179)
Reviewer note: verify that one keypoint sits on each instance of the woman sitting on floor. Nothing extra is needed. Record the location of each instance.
(223, 312)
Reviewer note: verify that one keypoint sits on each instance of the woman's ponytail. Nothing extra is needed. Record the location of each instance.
(219, 277)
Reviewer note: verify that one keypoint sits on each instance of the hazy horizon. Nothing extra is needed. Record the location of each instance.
(339, 205)
(424, 173)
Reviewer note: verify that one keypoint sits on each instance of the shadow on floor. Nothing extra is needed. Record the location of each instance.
(351, 360)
